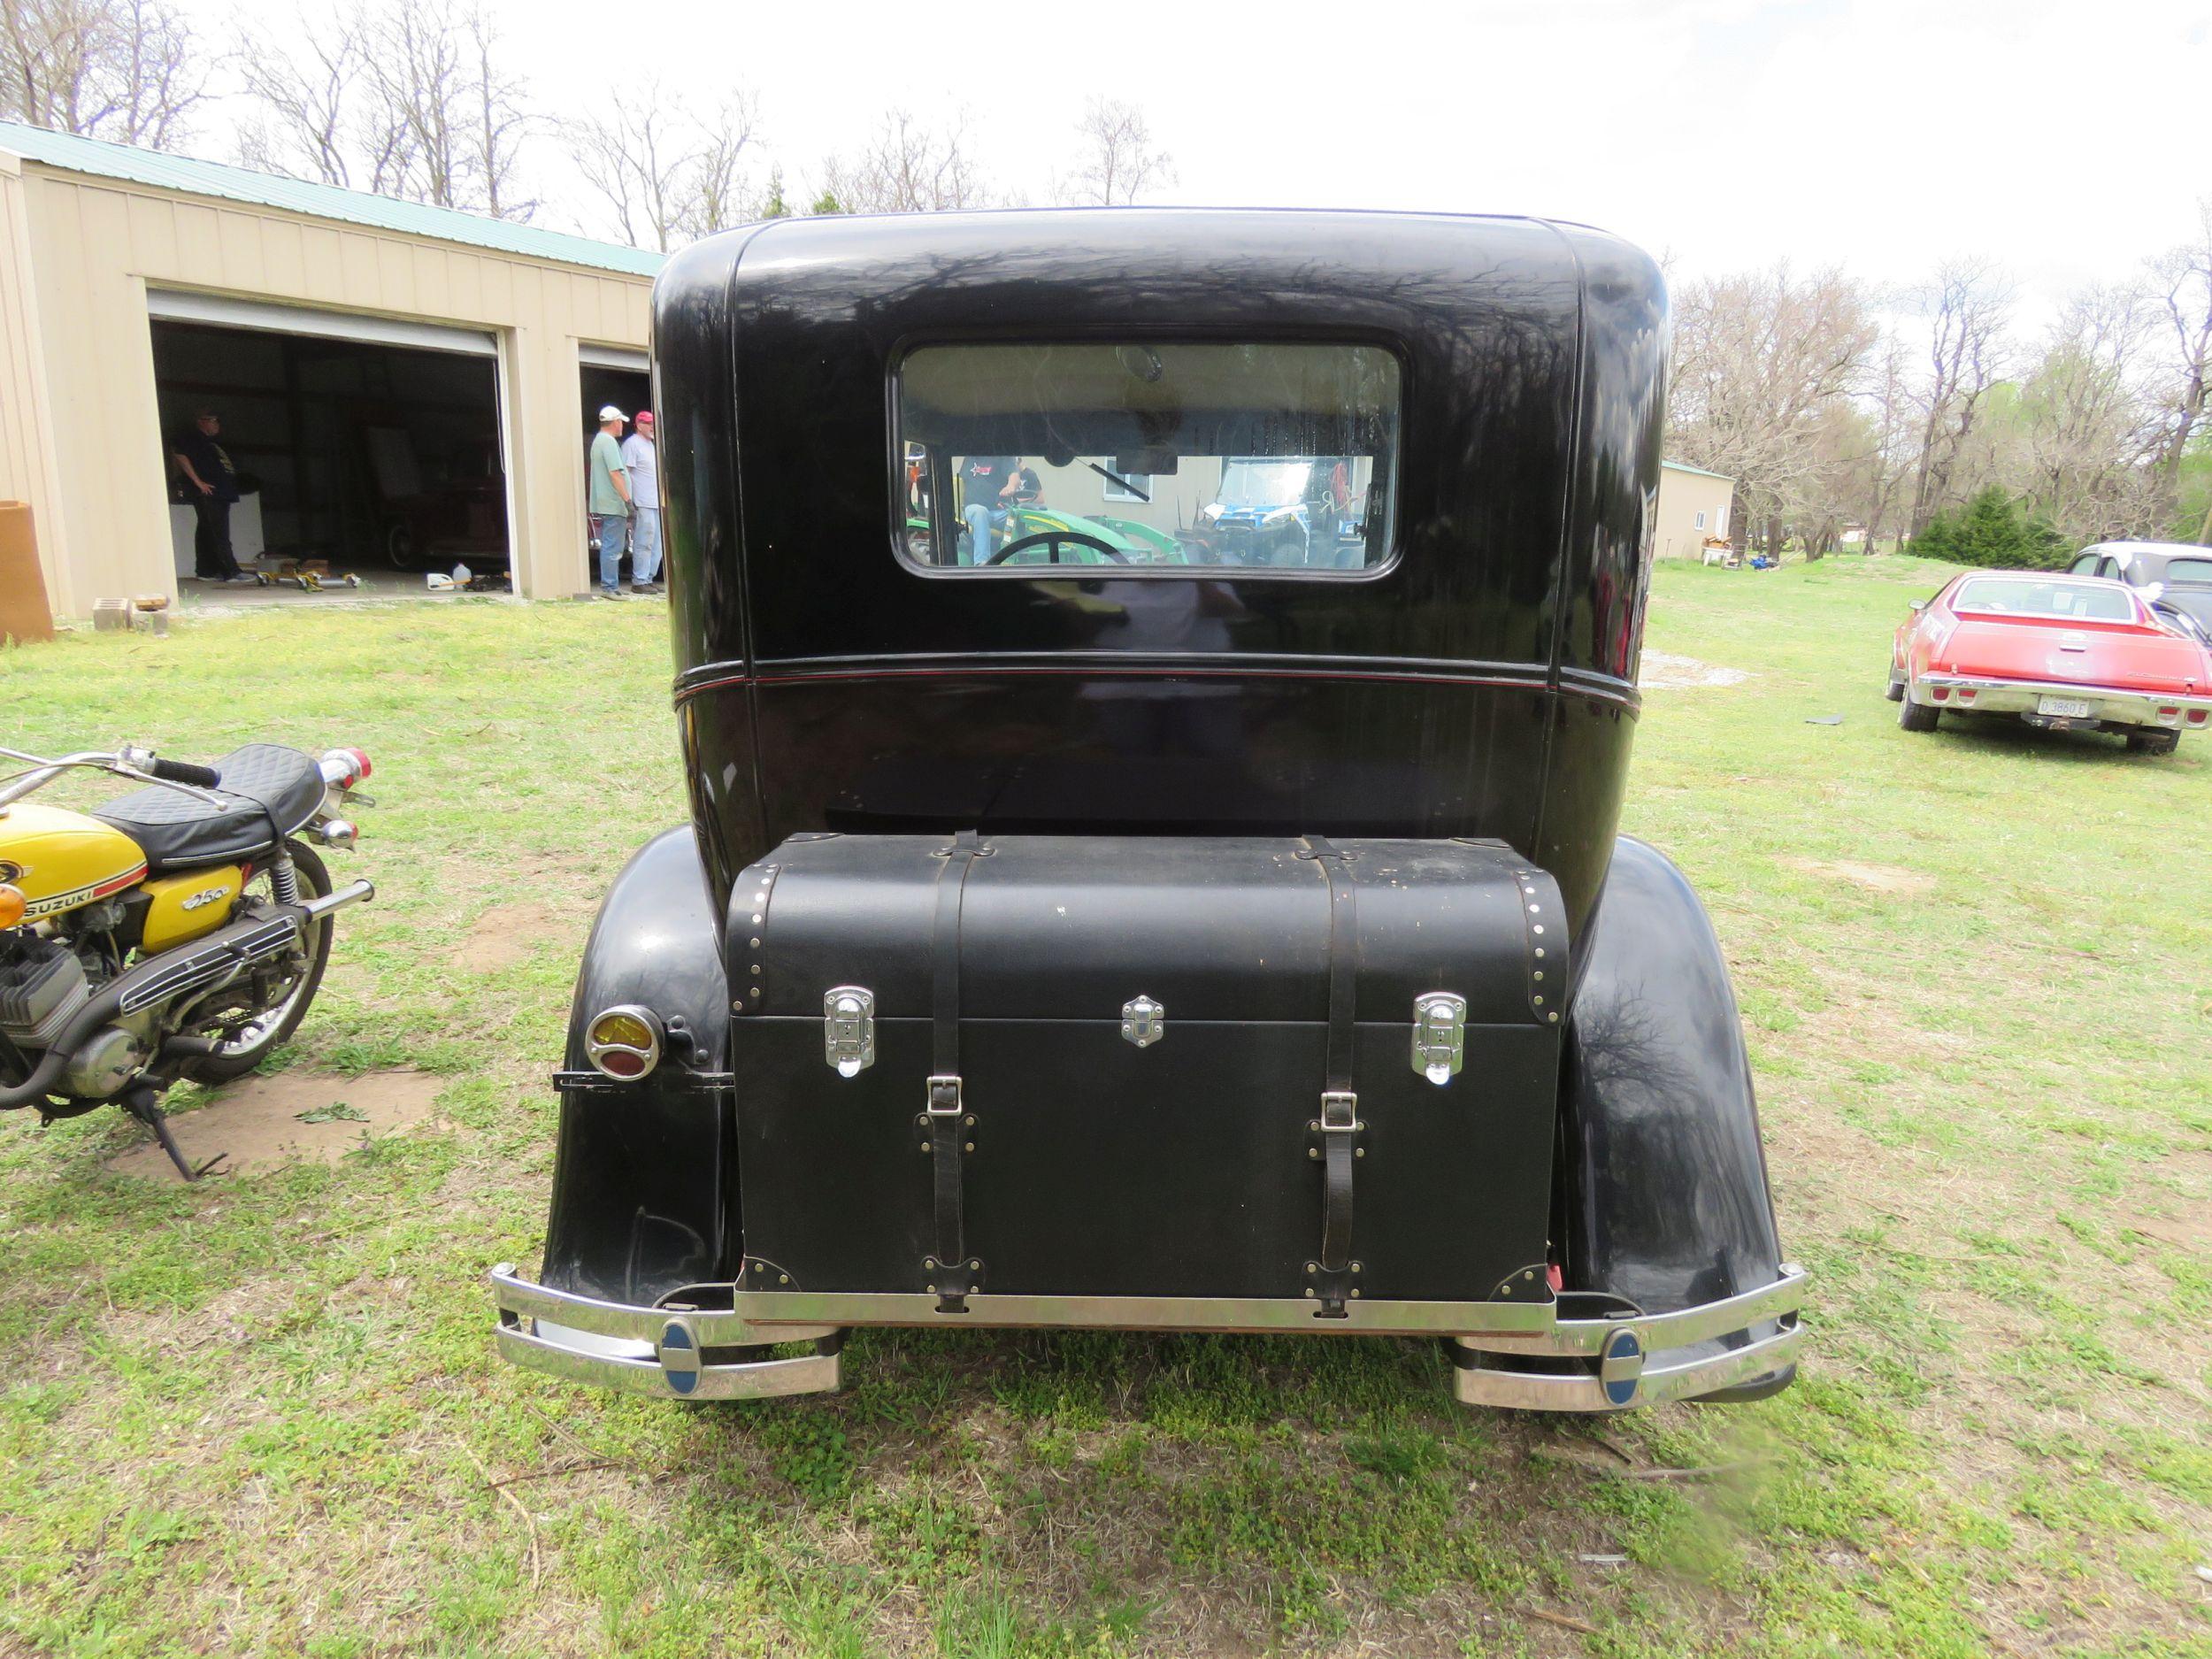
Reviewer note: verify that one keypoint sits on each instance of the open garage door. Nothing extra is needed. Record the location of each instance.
(609, 375)
(374, 443)
(620, 376)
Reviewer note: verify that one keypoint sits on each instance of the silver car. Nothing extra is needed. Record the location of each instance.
(2176, 577)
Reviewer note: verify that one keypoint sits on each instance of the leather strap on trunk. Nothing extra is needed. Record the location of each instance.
(1333, 1277)
(951, 1273)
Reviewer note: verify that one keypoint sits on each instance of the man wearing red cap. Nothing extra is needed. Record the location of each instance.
(642, 460)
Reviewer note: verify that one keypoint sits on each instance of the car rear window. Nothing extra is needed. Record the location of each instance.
(2191, 572)
(1147, 457)
(2026, 596)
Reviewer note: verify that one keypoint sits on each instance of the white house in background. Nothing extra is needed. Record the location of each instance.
(1695, 507)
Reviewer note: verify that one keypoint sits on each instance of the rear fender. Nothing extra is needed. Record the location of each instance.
(1662, 1195)
(642, 1169)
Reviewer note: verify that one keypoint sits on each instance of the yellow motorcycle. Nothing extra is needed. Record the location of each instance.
(180, 931)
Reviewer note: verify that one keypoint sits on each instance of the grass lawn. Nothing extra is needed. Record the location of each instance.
(262, 1416)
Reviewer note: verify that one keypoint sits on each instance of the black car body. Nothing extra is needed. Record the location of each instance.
(2175, 576)
(1157, 945)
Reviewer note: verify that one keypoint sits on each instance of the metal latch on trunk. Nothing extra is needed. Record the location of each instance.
(849, 1028)
(1143, 1021)
(1440, 1034)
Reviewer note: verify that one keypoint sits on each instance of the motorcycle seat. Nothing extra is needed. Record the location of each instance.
(268, 791)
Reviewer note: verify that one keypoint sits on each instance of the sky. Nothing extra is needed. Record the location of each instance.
(2064, 139)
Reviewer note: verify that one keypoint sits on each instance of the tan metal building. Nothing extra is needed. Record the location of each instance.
(403, 383)
(1694, 505)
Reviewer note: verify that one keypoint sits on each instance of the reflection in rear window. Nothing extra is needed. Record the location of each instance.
(2025, 597)
(1148, 457)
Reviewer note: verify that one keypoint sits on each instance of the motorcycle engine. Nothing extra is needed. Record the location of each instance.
(42, 984)
(109, 1059)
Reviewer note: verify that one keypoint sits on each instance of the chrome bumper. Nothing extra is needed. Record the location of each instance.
(652, 1350)
(1613, 1364)
(1594, 1364)
(2109, 705)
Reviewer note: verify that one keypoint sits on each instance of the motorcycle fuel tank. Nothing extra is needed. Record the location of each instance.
(58, 859)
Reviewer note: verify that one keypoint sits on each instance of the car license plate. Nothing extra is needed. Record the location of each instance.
(2066, 708)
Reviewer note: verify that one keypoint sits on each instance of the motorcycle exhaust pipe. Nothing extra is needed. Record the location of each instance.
(352, 892)
(221, 955)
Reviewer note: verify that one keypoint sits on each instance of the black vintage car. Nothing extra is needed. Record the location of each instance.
(1158, 941)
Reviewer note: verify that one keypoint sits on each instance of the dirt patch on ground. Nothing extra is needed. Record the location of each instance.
(1874, 878)
(503, 936)
(1663, 671)
(260, 1123)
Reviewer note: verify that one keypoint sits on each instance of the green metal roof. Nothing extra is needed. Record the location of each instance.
(322, 201)
(1684, 467)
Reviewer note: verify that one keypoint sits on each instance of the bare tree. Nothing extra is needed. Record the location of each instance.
(635, 165)
(494, 102)
(1893, 430)
(666, 177)
(2078, 440)
(2184, 275)
(306, 97)
(404, 97)
(1118, 161)
(1970, 301)
(125, 69)
(1765, 364)
(907, 168)
(416, 69)
(718, 193)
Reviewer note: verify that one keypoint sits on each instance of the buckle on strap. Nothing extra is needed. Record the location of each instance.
(1340, 1112)
(944, 1095)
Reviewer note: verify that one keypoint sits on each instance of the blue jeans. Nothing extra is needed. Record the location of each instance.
(614, 537)
(645, 544)
(981, 521)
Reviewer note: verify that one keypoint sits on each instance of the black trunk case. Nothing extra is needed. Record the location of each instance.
(1187, 1168)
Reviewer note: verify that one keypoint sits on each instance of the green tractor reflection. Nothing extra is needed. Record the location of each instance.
(1086, 538)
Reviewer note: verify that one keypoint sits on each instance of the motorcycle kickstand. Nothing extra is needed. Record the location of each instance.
(145, 1105)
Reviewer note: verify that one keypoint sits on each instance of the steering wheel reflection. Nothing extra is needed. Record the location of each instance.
(1054, 538)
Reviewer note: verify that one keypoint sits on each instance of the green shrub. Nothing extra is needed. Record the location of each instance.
(1992, 532)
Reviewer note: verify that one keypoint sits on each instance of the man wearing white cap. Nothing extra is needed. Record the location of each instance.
(609, 501)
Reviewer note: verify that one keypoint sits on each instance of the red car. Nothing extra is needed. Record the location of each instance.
(2061, 652)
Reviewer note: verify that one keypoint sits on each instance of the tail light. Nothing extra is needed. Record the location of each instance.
(1941, 693)
(342, 768)
(2197, 716)
(1966, 694)
(624, 1043)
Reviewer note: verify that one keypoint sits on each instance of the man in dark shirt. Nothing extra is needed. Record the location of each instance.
(983, 482)
(212, 482)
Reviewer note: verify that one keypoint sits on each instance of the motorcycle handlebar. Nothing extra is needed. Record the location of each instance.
(184, 771)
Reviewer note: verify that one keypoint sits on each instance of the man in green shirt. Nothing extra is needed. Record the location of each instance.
(609, 501)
